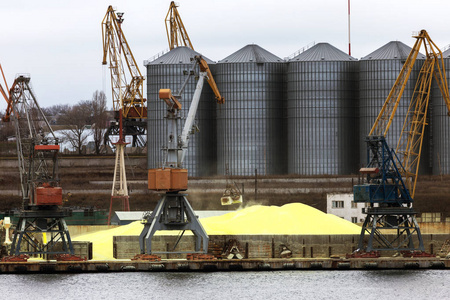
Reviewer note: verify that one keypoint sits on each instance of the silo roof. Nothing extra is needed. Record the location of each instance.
(446, 53)
(178, 55)
(251, 53)
(392, 50)
(323, 52)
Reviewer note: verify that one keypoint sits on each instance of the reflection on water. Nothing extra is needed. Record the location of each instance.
(377, 284)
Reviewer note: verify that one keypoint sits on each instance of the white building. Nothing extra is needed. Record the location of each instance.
(342, 205)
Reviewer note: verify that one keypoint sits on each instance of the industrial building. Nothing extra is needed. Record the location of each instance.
(306, 115)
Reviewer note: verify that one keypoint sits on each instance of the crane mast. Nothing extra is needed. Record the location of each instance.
(37, 151)
(392, 175)
(127, 94)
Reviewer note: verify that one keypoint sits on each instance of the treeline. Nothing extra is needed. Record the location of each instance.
(74, 124)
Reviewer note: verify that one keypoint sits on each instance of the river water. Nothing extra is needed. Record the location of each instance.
(376, 284)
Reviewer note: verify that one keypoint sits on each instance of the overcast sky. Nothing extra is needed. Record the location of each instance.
(59, 43)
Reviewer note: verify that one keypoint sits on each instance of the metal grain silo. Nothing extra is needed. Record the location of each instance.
(440, 126)
(322, 112)
(250, 132)
(378, 72)
(169, 71)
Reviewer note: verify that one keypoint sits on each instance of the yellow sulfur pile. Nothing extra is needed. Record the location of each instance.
(102, 241)
(294, 218)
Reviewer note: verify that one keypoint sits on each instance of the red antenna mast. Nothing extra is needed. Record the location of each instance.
(349, 44)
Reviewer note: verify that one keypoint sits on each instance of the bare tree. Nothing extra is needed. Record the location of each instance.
(77, 117)
(100, 119)
(56, 110)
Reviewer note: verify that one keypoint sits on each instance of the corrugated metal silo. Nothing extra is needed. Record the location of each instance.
(378, 72)
(250, 132)
(322, 112)
(440, 126)
(168, 71)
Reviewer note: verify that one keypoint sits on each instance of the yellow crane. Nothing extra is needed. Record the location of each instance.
(127, 94)
(410, 142)
(392, 175)
(128, 100)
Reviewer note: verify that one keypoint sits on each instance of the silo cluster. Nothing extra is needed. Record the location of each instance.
(308, 115)
(322, 112)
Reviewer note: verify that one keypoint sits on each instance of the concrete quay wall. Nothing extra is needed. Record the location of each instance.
(261, 246)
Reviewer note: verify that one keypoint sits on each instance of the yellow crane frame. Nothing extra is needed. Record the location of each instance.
(178, 36)
(409, 146)
(176, 32)
(128, 97)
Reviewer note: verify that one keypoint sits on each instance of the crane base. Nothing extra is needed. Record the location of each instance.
(173, 212)
(50, 224)
(390, 228)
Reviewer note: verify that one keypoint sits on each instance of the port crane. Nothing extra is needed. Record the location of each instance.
(42, 215)
(128, 101)
(392, 175)
(173, 211)
(127, 91)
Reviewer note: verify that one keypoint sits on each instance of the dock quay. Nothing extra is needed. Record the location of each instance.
(183, 265)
